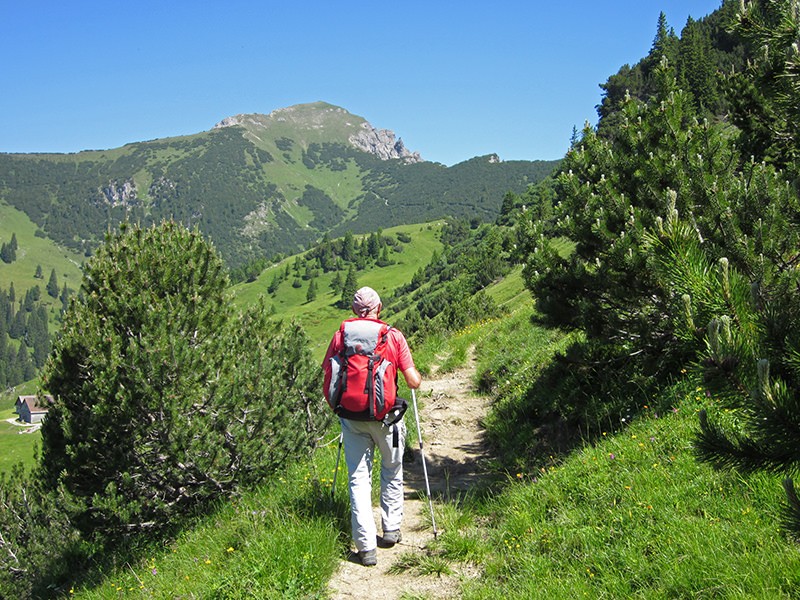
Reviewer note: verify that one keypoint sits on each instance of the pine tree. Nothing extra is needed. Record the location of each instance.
(8, 251)
(753, 343)
(384, 260)
(311, 294)
(336, 283)
(766, 97)
(164, 399)
(373, 245)
(18, 324)
(664, 44)
(24, 365)
(696, 69)
(686, 253)
(52, 285)
(508, 207)
(3, 356)
(38, 335)
(274, 283)
(6, 254)
(64, 297)
(349, 289)
(348, 252)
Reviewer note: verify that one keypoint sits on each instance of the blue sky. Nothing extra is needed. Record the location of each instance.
(452, 79)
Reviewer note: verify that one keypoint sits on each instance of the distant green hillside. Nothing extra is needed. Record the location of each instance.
(257, 185)
(35, 253)
(321, 316)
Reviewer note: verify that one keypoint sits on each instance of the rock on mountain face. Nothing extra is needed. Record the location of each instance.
(381, 142)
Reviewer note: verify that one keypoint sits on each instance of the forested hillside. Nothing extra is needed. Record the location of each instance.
(258, 186)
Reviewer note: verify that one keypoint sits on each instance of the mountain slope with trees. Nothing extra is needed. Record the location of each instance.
(258, 186)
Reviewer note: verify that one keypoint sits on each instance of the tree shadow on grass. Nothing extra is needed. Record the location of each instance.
(578, 397)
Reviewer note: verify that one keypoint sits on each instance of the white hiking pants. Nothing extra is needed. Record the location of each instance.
(359, 439)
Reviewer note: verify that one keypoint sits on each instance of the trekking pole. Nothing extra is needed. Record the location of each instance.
(422, 454)
(336, 468)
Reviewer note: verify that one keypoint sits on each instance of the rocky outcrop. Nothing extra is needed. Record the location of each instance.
(244, 120)
(382, 143)
(116, 193)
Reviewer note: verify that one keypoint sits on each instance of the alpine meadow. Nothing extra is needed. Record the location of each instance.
(631, 311)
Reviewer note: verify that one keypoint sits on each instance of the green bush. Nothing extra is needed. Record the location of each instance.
(165, 400)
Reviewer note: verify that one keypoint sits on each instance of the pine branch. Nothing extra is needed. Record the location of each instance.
(790, 514)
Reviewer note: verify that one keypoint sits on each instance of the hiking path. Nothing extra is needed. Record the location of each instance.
(456, 457)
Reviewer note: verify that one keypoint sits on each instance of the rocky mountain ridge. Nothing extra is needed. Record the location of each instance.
(382, 143)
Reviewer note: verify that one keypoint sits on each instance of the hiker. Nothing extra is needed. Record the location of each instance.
(370, 418)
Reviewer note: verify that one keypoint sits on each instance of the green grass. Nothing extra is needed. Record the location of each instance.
(633, 515)
(636, 516)
(282, 540)
(16, 447)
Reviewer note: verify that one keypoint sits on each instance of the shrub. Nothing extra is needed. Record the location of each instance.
(164, 399)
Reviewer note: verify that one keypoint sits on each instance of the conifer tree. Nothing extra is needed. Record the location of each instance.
(164, 399)
(336, 282)
(52, 284)
(695, 69)
(18, 324)
(348, 251)
(64, 297)
(24, 366)
(349, 289)
(664, 45)
(751, 360)
(766, 96)
(38, 335)
(311, 294)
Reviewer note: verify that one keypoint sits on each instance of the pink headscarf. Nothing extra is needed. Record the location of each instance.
(365, 301)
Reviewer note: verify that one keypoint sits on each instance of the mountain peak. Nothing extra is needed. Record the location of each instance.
(323, 122)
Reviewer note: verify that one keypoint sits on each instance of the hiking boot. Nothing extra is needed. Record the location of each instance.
(393, 537)
(369, 558)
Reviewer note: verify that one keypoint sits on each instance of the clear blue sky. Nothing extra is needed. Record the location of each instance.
(453, 79)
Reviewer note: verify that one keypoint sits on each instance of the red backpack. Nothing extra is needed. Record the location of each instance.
(361, 383)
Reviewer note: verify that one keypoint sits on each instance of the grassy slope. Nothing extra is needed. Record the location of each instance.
(631, 516)
(16, 445)
(301, 126)
(32, 251)
(321, 317)
(634, 515)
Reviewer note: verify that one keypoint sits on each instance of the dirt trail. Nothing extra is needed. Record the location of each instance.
(450, 417)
